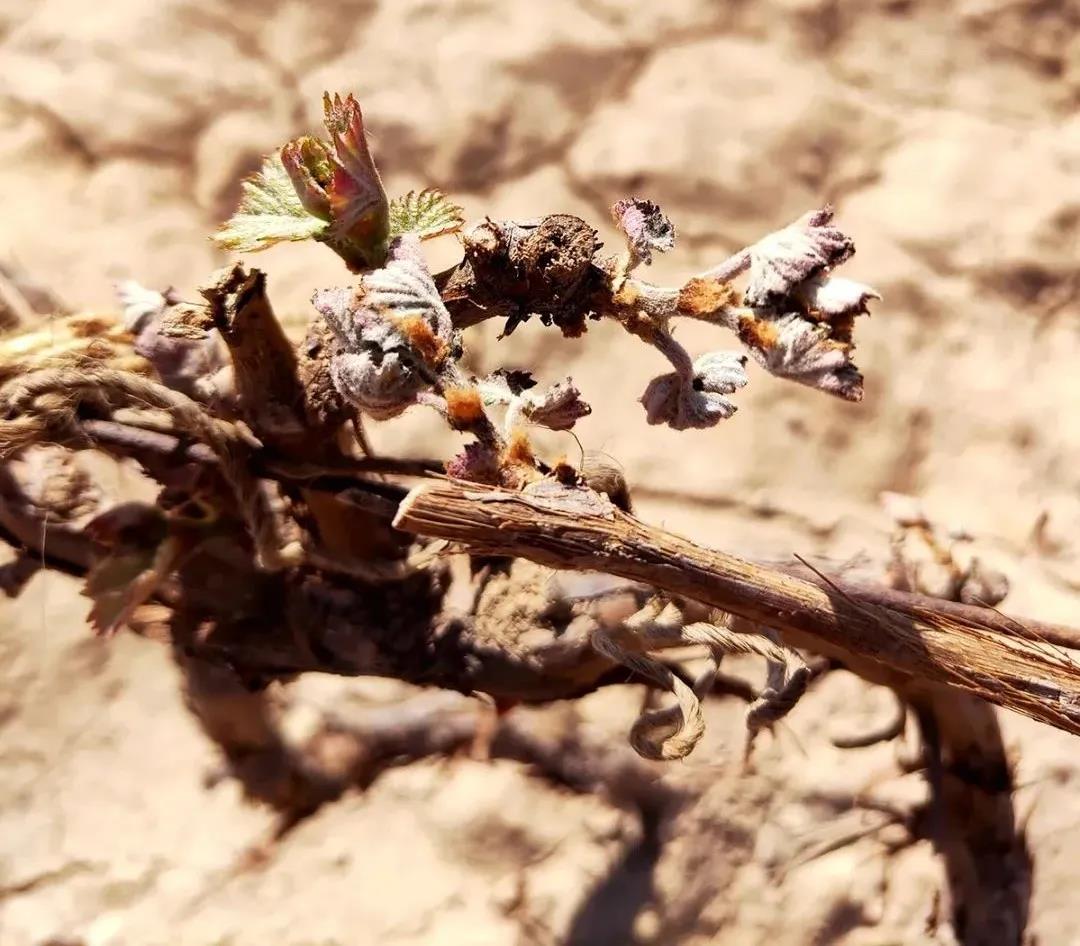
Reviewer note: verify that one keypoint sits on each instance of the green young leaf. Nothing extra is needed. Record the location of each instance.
(359, 210)
(427, 214)
(270, 212)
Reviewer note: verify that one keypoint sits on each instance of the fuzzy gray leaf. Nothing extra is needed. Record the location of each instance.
(801, 350)
(698, 402)
(800, 251)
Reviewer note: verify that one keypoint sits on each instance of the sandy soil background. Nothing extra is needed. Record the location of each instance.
(948, 136)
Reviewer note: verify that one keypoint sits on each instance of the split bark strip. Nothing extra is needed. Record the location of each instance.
(904, 634)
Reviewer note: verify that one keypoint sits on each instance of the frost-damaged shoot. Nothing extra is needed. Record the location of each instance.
(280, 544)
(398, 331)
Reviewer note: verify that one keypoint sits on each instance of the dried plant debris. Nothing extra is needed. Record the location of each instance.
(933, 560)
(673, 732)
(646, 227)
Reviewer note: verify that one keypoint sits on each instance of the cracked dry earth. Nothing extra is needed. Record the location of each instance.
(949, 140)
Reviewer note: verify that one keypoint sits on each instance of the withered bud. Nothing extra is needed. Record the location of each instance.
(543, 267)
(646, 227)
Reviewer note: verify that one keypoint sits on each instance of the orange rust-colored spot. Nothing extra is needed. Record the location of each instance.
(422, 337)
(843, 327)
(463, 407)
(628, 294)
(519, 450)
(88, 325)
(757, 333)
(565, 473)
(638, 323)
(705, 296)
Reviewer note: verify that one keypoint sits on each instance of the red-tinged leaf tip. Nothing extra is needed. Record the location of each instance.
(307, 163)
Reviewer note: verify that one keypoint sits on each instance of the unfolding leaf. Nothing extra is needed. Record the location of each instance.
(557, 407)
(308, 162)
(395, 332)
(403, 289)
(798, 252)
(428, 213)
(359, 210)
(697, 402)
(817, 354)
(270, 212)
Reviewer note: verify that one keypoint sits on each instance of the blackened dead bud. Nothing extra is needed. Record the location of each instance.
(542, 268)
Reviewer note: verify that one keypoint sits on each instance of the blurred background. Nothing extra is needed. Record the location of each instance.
(948, 137)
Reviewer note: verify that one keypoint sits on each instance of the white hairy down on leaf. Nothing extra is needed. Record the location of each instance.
(833, 296)
(404, 287)
(805, 351)
(379, 370)
(381, 383)
(696, 402)
(495, 389)
(401, 289)
(803, 250)
(645, 226)
(140, 305)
